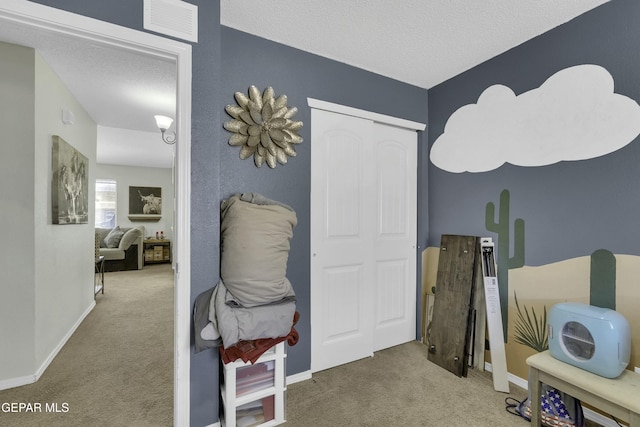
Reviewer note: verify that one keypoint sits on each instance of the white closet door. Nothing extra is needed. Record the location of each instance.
(363, 232)
(342, 249)
(395, 236)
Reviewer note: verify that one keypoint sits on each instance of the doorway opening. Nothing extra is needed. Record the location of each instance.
(31, 17)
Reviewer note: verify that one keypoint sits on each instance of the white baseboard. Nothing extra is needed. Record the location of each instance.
(588, 413)
(296, 378)
(30, 379)
(63, 341)
(17, 382)
(599, 418)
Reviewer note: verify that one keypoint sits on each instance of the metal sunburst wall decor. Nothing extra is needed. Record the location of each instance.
(262, 127)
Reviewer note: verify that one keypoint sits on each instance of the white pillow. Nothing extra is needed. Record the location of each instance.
(130, 237)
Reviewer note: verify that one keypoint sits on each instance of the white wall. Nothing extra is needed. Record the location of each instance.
(47, 280)
(64, 260)
(126, 176)
(17, 303)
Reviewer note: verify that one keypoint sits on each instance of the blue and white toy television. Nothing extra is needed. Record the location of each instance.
(592, 338)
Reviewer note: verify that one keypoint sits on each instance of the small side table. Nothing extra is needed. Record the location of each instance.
(157, 250)
(98, 283)
(617, 397)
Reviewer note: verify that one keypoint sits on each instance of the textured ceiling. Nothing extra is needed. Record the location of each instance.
(120, 90)
(422, 42)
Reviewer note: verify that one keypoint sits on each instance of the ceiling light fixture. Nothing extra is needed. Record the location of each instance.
(163, 123)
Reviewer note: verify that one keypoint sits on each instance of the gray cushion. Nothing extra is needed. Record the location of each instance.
(113, 238)
(112, 253)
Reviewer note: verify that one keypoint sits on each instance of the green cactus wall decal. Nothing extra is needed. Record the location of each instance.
(602, 292)
(505, 262)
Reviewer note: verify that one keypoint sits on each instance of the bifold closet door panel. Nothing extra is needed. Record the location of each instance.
(342, 245)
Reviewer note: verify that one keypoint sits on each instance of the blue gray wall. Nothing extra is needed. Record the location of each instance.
(249, 60)
(570, 209)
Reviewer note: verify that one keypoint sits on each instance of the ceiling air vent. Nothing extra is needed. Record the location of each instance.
(172, 17)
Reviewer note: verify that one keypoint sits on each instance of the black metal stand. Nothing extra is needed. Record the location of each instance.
(98, 283)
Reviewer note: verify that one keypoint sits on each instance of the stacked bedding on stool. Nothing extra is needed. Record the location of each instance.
(254, 300)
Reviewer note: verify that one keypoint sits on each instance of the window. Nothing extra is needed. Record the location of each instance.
(105, 203)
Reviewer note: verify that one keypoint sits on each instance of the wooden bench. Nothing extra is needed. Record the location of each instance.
(619, 397)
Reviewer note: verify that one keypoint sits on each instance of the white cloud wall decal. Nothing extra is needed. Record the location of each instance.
(574, 115)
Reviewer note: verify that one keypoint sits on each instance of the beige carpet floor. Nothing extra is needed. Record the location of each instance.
(117, 368)
(399, 386)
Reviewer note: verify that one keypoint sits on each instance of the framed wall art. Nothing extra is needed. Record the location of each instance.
(145, 203)
(69, 184)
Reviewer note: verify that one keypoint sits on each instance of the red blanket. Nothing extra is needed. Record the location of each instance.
(250, 351)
